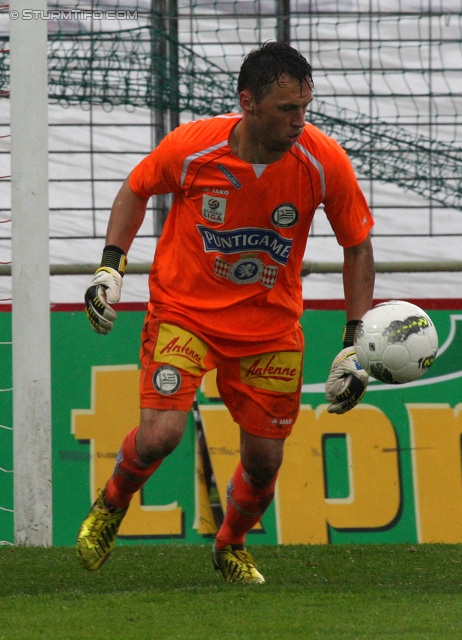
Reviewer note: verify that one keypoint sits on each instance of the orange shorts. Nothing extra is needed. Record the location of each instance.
(260, 383)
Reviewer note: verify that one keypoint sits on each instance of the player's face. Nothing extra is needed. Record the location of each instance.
(277, 121)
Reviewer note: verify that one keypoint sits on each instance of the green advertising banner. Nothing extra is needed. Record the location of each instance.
(387, 472)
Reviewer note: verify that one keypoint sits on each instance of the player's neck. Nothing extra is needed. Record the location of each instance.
(244, 146)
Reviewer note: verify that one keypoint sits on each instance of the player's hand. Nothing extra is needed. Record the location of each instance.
(103, 291)
(347, 382)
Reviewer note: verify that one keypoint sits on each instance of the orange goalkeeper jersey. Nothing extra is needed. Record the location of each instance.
(229, 259)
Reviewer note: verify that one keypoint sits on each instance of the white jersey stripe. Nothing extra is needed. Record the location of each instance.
(198, 154)
(317, 164)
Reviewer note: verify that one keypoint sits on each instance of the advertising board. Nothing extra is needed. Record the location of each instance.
(387, 472)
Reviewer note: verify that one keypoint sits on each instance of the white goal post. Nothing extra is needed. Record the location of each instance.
(30, 277)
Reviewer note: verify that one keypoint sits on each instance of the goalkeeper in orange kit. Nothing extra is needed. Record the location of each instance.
(225, 291)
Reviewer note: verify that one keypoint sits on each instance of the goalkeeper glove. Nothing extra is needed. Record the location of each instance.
(347, 381)
(105, 289)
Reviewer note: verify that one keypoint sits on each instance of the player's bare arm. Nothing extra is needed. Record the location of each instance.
(127, 215)
(358, 279)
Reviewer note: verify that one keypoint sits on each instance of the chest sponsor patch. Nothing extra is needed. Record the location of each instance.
(247, 239)
(279, 371)
(213, 208)
(247, 270)
(181, 348)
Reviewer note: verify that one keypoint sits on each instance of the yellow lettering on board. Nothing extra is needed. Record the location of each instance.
(222, 435)
(114, 411)
(209, 385)
(436, 432)
(304, 512)
(204, 520)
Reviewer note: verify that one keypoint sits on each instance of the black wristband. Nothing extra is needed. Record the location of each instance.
(115, 258)
(349, 331)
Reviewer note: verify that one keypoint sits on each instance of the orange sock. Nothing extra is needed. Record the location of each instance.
(246, 503)
(130, 473)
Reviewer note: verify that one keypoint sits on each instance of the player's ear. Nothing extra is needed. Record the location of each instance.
(246, 100)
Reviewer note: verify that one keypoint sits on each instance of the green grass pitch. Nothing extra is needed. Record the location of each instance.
(372, 592)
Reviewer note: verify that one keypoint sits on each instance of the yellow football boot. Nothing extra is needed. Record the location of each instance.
(97, 535)
(236, 565)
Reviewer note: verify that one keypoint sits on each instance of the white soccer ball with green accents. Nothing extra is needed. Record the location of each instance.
(396, 342)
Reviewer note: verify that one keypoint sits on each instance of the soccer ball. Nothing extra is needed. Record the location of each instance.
(396, 342)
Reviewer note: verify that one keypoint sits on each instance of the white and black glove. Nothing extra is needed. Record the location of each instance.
(347, 381)
(105, 289)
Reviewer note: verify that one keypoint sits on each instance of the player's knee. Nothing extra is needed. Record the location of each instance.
(262, 473)
(261, 458)
(151, 450)
(159, 434)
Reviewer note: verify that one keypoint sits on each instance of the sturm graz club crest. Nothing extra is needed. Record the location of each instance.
(166, 380)
(285, 215)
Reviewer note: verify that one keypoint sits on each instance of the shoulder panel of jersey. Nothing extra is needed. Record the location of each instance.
(168, 168)
(322, 151)
(311, 151)
(344, 202)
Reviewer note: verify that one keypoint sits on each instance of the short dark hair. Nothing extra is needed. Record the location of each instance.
(264, 66)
